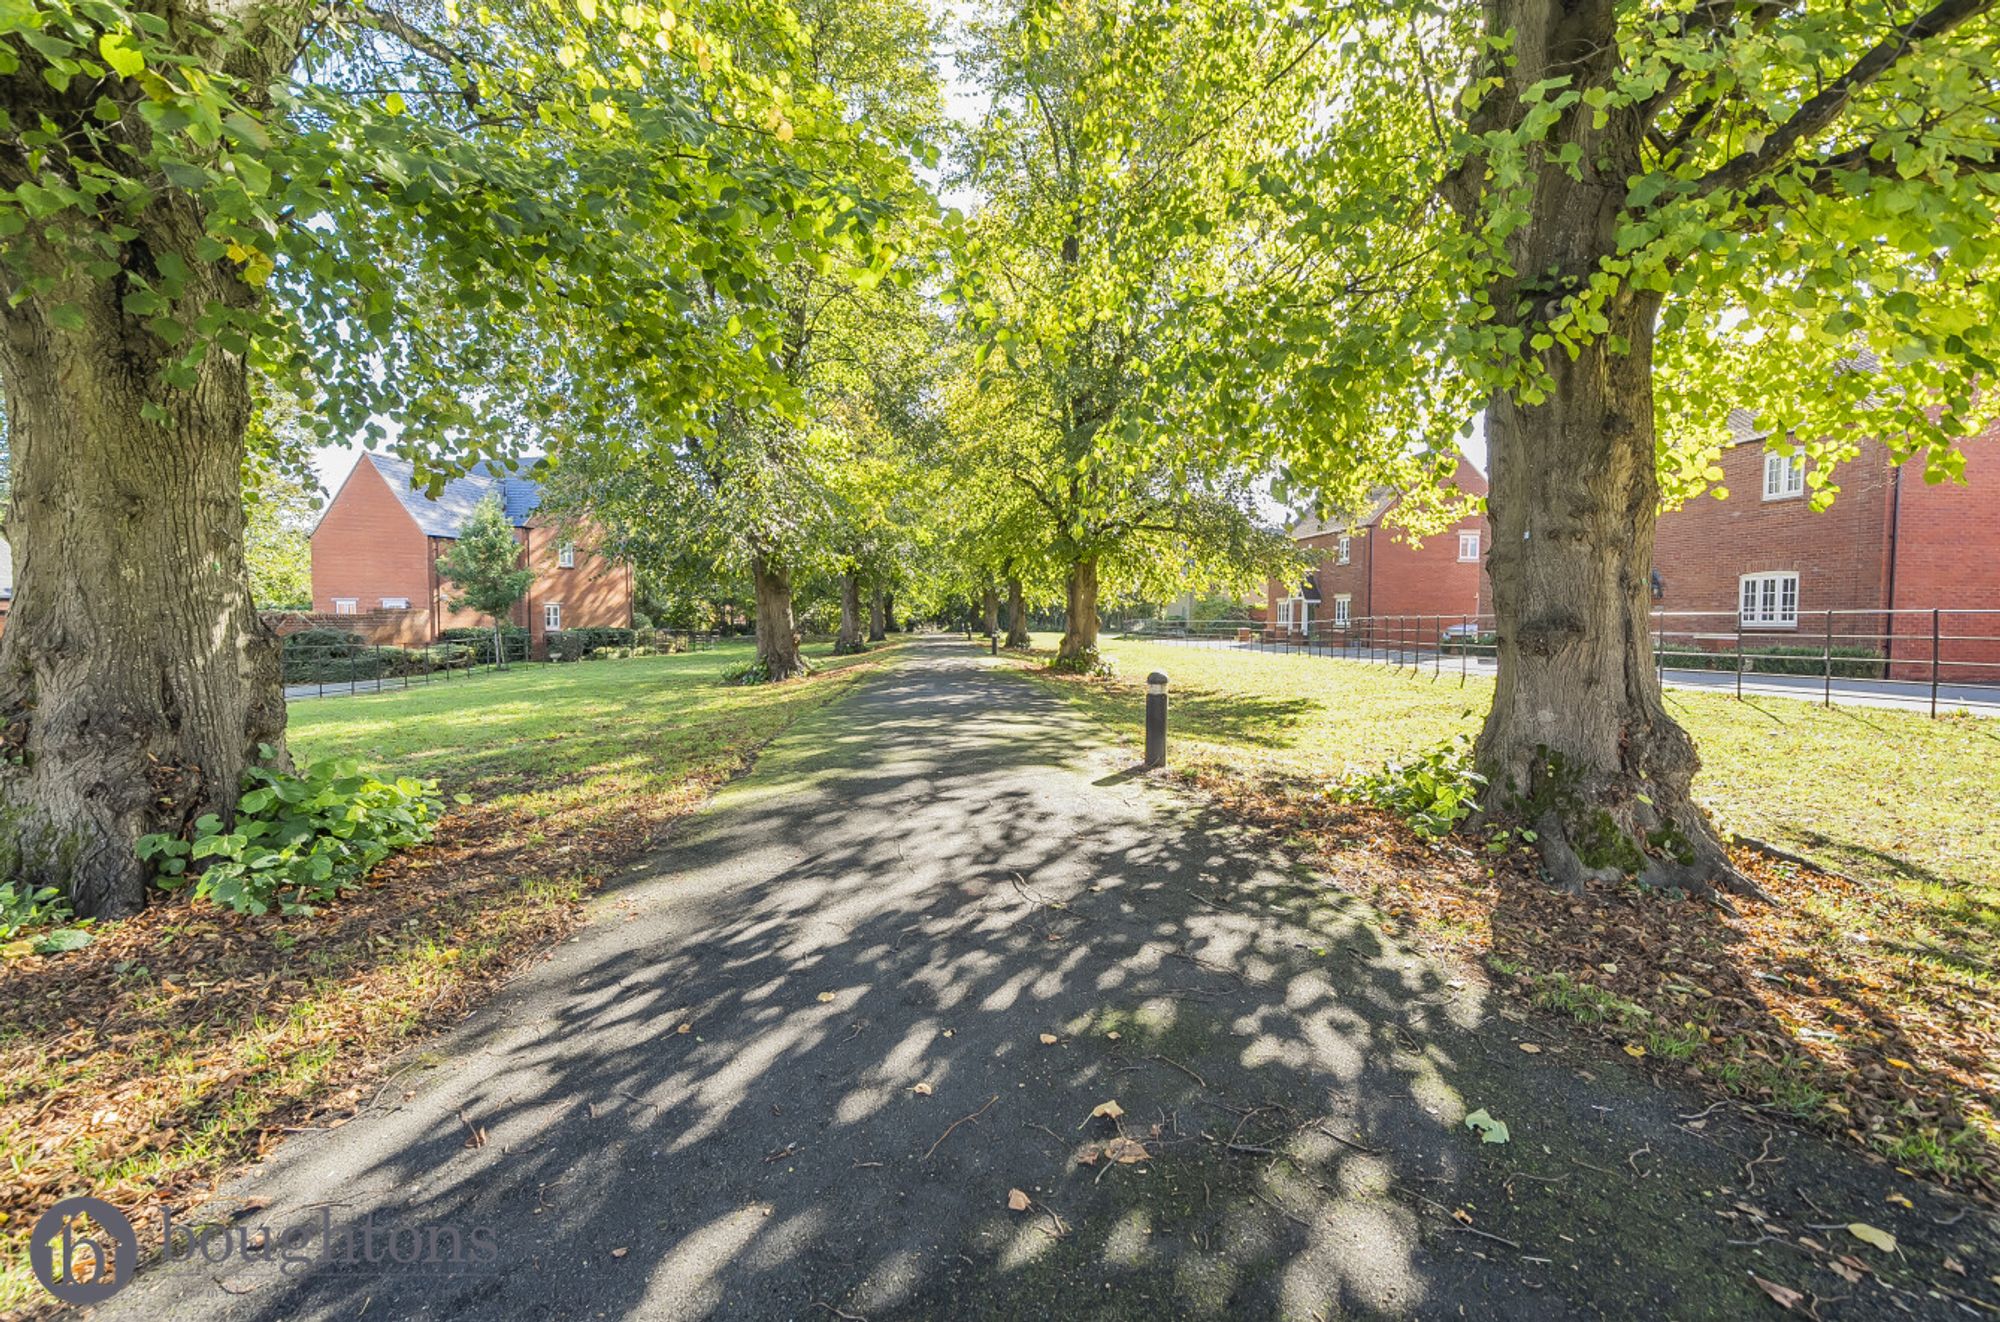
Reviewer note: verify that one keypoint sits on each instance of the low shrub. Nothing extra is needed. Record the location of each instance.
(1848, 662)
(38, 922)
(1433, 791)
(514, 643)
(299, 839)
(1092, 664)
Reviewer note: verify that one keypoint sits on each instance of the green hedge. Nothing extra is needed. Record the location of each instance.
(480, 643)
(1761, 658)
(582, 643)
(335, 658)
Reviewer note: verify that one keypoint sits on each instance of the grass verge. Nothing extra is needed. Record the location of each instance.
(1865, 1003)
(188, 1039)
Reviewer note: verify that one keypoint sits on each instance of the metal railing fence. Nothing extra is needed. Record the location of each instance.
(316, 662)
(1947, 656)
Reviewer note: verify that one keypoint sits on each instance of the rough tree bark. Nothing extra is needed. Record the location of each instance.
(889, 612)
(1578, 743)
(990, 611)
(777, 637)
(875, 611)
(1079, 640)
(850, 616)
(136, 682)
(1017, 615)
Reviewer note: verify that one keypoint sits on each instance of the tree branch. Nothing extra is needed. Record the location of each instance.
(1823, 109)
(424, 43)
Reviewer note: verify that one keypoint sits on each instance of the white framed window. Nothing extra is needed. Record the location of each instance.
(1346, 550)
(566, 555)
(1784, 476)
(1770, 601)
(1343, 610)
(395, 603)
(346, 605)
(552, 616)
(1285, 613)
(1468, 546)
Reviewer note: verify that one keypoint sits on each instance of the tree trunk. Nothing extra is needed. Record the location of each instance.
(1017, 615)
(777, 637)
(136, 682)
(499, 649)
(1079, 641)
(889, 612)
(876, 608)
(1578, 744)
(850, 616)
(991, 605)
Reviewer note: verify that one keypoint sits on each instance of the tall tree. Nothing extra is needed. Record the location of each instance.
(484, 564)
(1788, 207)
(757, 489)
(1092, 268)
(277, 545)
(384, 205)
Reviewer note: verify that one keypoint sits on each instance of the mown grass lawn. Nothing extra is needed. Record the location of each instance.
(1868, 1001)
(1870, 792)
(185, 1040)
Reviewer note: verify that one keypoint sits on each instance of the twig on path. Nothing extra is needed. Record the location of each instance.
(1632, 1159)
(477, 1135)
(1169, 1060)
(1284, 1211)
(961, 1120)
(1219, 908)
(1345, 1142)
(1763, 1158)
(1487, 1234)
(1046, 1130)
(845, 1317)
(1601, 1170)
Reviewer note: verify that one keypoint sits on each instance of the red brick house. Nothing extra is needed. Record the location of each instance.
(376, 547)
(1870, 569)
(1369, 570)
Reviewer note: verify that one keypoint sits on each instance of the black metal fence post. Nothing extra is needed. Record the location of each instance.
(1827, 700)
(1739, 655)
(1156, 719)
(1936, 637)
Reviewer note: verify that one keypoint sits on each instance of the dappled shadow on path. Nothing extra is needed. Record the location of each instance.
(800, 1061)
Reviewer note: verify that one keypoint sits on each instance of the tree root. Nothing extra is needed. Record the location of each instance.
(1566, 870)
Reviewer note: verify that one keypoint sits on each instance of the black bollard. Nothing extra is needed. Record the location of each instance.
(1156, 719)
(993, 641)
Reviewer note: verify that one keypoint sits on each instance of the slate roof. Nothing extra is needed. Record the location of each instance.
(1378, 505)
(446, 516)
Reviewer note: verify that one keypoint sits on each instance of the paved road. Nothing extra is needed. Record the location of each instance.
(1975, 699)
(796, 1063)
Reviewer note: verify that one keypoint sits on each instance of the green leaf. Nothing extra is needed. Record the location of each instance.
(1488, 1129)
(119, 52)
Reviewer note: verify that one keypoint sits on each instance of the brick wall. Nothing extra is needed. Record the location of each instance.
(367, 548)
(1390, 573)
(1702, 550)
(1948, 560)
(594, 593)
(404, 628)
(1946, 555)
